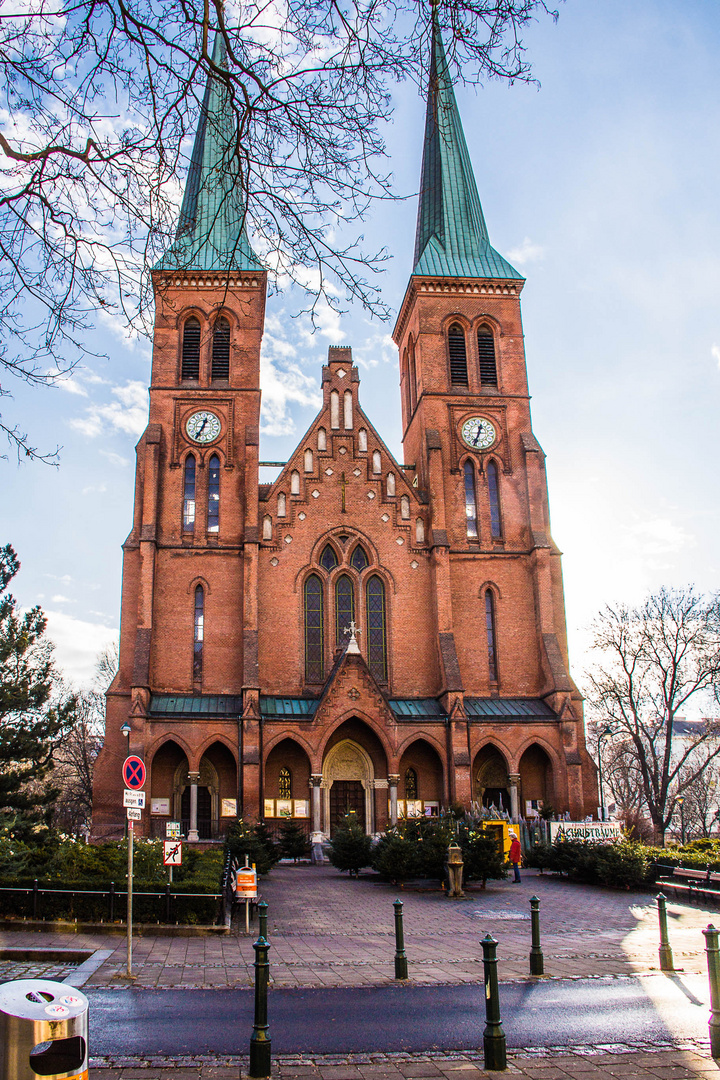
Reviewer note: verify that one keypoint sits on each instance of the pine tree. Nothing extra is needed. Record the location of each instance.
(31, 721)
(293, 840)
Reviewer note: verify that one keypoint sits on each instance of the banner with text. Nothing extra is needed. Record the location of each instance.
(597, 831)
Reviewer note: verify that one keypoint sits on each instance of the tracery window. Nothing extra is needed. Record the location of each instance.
(189, 494)
(458, 355)
(285, 784)
(411, 787)
(486, 355)
(494, 498)
(314, 630)
(359, 560)
(328, 559)
(471, 524)
(213, 510)
(198, 633)
(376, 629)
(220, 368)
(491, 638)
(344, 608)
(191, 349)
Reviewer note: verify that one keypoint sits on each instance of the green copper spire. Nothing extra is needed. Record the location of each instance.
(211, 230)
(451, 238)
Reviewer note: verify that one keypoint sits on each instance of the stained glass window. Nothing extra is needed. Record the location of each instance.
(191, 350)
(344, 608)
(198, 634)
(359, 559)
(221, 350)
(491, 642)
(494, 497)
(285, 784)
(314, 640)
(328, 559)
(214, 494)
(410, 784)
(471, 524)
(189, 494)
(458, 355)
(376, 635)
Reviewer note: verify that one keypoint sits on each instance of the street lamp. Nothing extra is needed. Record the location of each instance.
(126, 730)
(681, 803)
(606, 731)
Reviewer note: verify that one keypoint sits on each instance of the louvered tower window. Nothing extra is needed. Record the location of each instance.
(376, 629)
(491, 637)
(314, 639)
(198, 634)
(458, 355)
(213, 512)
(344, 608)
(486, 354)
(221, 350)
(191, 350)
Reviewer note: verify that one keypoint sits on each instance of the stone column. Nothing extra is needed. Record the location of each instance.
(514, 781)
(316, 852)
(393, 781)
(193, 778)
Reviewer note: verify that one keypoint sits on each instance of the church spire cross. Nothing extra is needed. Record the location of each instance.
(354, 631)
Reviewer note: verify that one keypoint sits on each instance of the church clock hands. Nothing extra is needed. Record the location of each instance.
(478, 433)
(203, 427)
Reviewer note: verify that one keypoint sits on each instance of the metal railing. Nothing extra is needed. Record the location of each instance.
(167, 908)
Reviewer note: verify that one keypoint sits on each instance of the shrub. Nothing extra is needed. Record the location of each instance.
(621, 865)
(254, 841)
(350, 848)
(482, 856)
(293, 841)
(394, 857)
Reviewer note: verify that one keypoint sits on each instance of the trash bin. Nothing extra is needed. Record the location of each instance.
(43, 1030)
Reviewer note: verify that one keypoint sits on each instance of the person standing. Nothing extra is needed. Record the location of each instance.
(515, 855)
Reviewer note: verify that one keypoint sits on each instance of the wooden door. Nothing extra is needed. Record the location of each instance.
(346, 796)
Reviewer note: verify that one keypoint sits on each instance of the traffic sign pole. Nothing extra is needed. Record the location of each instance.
(131, 834)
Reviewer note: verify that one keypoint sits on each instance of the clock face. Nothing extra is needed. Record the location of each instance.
(478, 433)
(203, 427)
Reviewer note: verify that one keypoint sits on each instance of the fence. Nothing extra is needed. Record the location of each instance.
(160, 905)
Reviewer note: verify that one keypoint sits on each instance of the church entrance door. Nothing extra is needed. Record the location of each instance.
(346, 797)
(204, 812)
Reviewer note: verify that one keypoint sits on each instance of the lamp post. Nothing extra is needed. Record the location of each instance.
(681, 803)
(606, 731)
(125, 730)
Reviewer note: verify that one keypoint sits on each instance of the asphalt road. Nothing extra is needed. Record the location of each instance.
(138, 1022)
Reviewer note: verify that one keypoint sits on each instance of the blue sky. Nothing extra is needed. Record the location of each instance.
(602, 188)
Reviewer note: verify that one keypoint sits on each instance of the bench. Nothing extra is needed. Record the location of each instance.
(692, 886)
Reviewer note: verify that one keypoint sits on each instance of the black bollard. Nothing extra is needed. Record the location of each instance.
(401, 968)
(666, 956)
(713, 962)
(260, 1039)
(493, 1036)
(537, 962)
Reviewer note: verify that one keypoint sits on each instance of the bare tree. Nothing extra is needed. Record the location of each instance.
(655, 660)
(699, 810)
(100, 97)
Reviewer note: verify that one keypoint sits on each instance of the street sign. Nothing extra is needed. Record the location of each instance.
(133, 771)
(134, 813)
(172, 855)
(172, 830)
(135, 799)
(246, 883)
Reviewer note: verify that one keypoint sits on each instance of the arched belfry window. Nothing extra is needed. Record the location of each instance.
(359, 560)
(285, 784)
(471, 522)
(328, 559)
(213, 511)
(491, 634)
(457, 352)
(314, 630)
(486, 355)
(189, 474)
(344, 608)
(376, 629)
(411, 787)
(191, 349)
(221, 349)
(198, 634)
(493, 480)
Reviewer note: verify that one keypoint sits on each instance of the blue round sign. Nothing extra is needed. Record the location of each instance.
(134, 772)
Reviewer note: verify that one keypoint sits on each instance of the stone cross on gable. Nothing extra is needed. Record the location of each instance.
(353, 631)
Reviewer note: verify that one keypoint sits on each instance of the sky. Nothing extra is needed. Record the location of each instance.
(601, 187)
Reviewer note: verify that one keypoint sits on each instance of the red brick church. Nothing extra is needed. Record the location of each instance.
(362, 633)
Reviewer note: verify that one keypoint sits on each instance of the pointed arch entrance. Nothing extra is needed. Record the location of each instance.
(354, 769)
(491, 783)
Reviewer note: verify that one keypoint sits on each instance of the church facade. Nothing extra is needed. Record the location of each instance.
(361, 634)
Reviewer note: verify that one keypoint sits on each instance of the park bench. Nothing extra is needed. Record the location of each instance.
(691, 886)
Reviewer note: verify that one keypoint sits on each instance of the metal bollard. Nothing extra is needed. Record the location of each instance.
(167, 904)
(401, 968)
(666, 956)
(260, 1042)
(537, 962)
(493, 1036)
(111, 898)
(713, 962)
(35, 898)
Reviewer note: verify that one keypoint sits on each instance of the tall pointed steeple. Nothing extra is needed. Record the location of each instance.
(211, 231)
(451, 238)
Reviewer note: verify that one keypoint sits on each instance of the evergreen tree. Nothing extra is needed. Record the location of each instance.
(32, 722)
(350, 848)
(293, 841)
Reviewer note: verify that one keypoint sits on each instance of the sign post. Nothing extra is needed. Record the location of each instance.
(131, 834)
(172, 855)
(246, 889)
(133, 774)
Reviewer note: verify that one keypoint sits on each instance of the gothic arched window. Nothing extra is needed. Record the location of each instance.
(322, 439)
(294, 482)
(362, 440)
(198, 633)
(458, 355)
(491, 636)
(221, 350)
(314, 637)
(328, 559)
(359, 560)
(471, 523)
(494, 497)
(213, 510)
(411, 788)
(285, 784)
(267, 528)
(413, 379)
(344, 608)
(334, 409)
(347, 409)
(486, 355)
(191, 349)
(404, 507)
(189, 494)
(308, 461)
(376, 629)
(390, 488)
(376, 462)
(281, 504)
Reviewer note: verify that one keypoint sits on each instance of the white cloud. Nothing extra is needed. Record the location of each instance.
(60, 599)
(77, 645)
(715, 353)
(71, 385)
(525, 253)
(115, 459)
(93, 489)
(128, 414)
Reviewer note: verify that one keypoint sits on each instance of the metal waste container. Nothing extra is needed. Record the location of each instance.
(43, 1030)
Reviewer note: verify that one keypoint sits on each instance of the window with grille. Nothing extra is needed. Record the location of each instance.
(411, 787)
(191, 350)
(328, 559)
(491, 638)
(344, 608)
(494, 497)
(198, 634)
(471, 522)
(221, 350)
(189, 494)
(458, 355)
(376, 629)
(285, 784)
(314, 639)
(213, 514)
(486, 354)
(359, 560)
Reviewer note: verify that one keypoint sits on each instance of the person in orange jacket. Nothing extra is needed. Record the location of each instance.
(515, 855)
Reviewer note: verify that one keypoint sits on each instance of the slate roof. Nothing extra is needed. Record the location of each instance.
(451, 238)
(211, 231)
